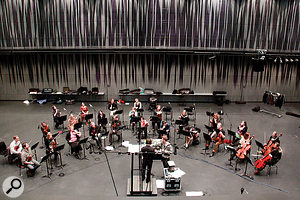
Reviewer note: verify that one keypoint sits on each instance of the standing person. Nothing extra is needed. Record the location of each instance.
(148, 154)
(112, 107)
(144, 125)
(132, 115)
(56, 115)
(102, 120)
(138, 105)
(45, 130)
(83, 111)
(157, 113)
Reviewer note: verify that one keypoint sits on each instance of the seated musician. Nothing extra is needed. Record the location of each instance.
(271, 157)
(215, 120)
(144, 125)
(51, 144)
(165, 148)
(157, 113)
(83, 112)
(148, 154)
(94, 133)
(115, 126)
(101, 120)
(243, 128)
(165, 127)
(273, 138)
(132, 114)
(15, 149)
(27, 158)
(184, 117)
(56, 115)
(243, 148)
(73, 140)
(112, 106)
(218, 137)
(72, 121)
(194, 135)
(138, 105)
(45, 129)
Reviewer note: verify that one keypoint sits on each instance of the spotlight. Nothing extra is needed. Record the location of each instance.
(286, 60)
(280, 60)
(275, 60)
(291, 60)
(296, 60)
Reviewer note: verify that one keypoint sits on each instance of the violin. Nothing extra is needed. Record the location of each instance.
(242, 152)
(17, 147)
(29, 159)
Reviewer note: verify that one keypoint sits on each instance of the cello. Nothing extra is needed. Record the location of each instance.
(260, 164)
(242, 152)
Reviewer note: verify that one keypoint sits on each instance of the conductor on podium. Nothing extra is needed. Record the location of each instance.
(148, 154)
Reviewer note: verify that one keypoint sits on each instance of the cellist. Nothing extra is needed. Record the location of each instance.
(244, 147)
(218, 137)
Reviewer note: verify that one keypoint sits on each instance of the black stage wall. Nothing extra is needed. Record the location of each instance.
(161, 72)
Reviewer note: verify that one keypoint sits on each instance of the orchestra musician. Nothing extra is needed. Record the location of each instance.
(218, 137)
(28, 160)
(72, 121)
(56, 115)
(15, 149)
(137, 105)
(112, 107)
(184, 117)
(243, 128)
(165, 127)
(144, 125)
(193, 137)
(243, 148)
(148, 154)
(115, 129)
(214, 121)
(73, 139)
(101, 120)
(45, 130)
(165, 148)
(157, 113)
(94, 133)
(132, 114)
(83, 112)
(51, 144)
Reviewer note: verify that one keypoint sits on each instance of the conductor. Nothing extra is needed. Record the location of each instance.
(148, 154)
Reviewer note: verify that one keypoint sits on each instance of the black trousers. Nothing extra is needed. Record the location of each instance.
(147, 165)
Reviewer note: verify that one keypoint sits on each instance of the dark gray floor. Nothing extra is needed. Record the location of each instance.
(91, 179)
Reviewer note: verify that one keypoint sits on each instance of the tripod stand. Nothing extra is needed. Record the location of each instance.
(83, 141)
(45, 159)
(245, 171)
(58, 150)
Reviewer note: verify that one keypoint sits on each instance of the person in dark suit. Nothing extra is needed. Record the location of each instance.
(148, 154)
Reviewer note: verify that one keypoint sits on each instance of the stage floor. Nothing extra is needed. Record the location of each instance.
(90, 179)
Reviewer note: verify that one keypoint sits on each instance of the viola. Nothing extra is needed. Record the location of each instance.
(242, 152)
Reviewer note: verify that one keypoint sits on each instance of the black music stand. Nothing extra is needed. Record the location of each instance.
(45, 158)
(102, 121)
(161, 133)
(62, 119)
(245, 172)
(232, 152)
(231, 134)
(207, 138)
(154, 119)
(136, 120)
(88, 116)
(119, 112)
(33, 148)
(209, 114)
(168, 111)
(209, 129)
(83, 141)
(185, 133)
(140, 111)
(77, 126)
(259, 145)
(179, 122)
(58, 149)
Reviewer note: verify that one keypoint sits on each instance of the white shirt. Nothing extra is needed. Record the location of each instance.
(12, 146)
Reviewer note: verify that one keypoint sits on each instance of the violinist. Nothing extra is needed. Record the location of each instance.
(72, 121)
(51, 144)
(132, 114)
(112, 106)
(56, 116)
(194, 135)
(214, 121)
(115, 129)
(15, 148)
(45, 129)
(165, 127)
(95, 134)
(218, 137)
(73, 139)
(144, 125)
(184, 117)
(102, 121)
(83, 111)
(27, 158)
(157, 113)
(138, 105)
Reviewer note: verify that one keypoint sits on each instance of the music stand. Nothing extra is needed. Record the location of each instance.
(232, 151)
(259, 145)
(245, 172)
(83, 141)
(209, 114)
(33, 148)
(207, 138)
(77, 126)
(185, 133)
(119, 112)
(45, 158)
(189, 110)
(88, 116)
(209, 129)
(58, 149)
(62, 119)
(140, 111)
(231, 134)
(161, 132)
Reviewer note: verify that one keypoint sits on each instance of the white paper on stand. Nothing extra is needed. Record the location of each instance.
(178, 173)
(133, 148)
(125, 143)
